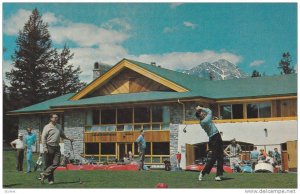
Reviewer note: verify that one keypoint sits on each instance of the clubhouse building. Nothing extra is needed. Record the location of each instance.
(106, 116)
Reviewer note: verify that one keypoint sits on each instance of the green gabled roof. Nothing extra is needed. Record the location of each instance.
(44, 106)
(281, 85)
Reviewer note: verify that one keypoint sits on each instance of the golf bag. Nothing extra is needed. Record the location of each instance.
(39, 163)
(167, 165)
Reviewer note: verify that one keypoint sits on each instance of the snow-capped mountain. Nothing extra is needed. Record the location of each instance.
(219, 70)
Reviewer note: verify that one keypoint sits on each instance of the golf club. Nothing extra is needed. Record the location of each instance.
(184, 129)
(73, 149)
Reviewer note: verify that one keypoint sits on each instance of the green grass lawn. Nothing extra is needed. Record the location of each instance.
(137, 179)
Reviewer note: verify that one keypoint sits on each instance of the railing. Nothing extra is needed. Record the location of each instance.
(149, 159)
(156, 159)
(155, 126)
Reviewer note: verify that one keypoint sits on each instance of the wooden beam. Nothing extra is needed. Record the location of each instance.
(256, 99)
(30, 113)
(245, 120)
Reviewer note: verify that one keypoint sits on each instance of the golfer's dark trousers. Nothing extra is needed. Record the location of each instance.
(20, 158)
(52, 160)
(141, 159)
(216, 146)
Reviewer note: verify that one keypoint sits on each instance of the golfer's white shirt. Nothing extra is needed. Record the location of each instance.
(19, 144)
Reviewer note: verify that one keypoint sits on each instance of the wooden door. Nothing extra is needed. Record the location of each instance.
(190, 155)
(292, 154)
(284, 160)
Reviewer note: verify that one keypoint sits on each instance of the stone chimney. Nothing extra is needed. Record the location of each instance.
(96, 71)
(153, 63)
(100, 69)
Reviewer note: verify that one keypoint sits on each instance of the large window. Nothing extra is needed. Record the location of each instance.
(237, 111)
(141, 115)
(160, 148)
(157, 114)
(231, 111)
(225, 111)
(92, 148)
(124, 115)
(128, 119)
(96, 116)
(108, 148)
(108, 116)
(161, 114)
(259, 110)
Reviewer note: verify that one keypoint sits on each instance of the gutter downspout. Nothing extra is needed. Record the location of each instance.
(183, 111)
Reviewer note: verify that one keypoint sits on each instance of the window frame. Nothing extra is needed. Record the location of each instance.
(231, 110)
(258, 109)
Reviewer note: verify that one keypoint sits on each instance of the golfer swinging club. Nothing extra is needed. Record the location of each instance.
(215, 142)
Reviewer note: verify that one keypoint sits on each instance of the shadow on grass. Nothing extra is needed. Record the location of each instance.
(70, 182)
(226, 178)
(10, 185)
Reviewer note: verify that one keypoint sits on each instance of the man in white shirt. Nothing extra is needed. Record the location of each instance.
(19, 145)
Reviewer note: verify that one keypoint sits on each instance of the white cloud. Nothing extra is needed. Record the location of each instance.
(190, 25)
(256, 63)
(175, 5)
(168, 30)
(50, 18)
(16, 22)
(117, 23)
(86, 35)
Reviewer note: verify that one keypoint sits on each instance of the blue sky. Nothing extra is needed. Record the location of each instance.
(176, 36)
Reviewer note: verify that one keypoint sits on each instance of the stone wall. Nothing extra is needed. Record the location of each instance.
(173, 143)
(190, 110)
(176, 111)
(74, 122)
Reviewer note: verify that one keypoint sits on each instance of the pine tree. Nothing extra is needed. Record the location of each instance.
(255, 74)
(10, 129)
(285, 63)
(64, 78)
(32, 59)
